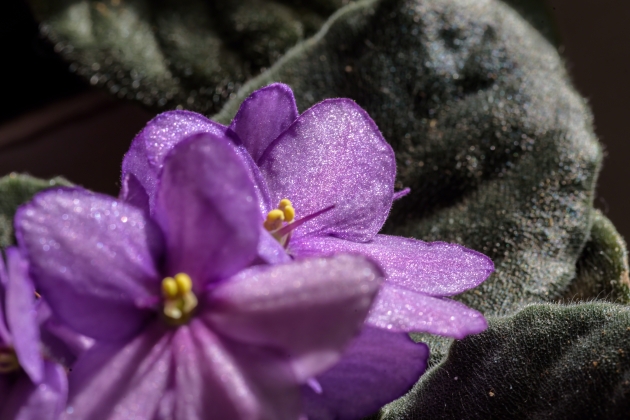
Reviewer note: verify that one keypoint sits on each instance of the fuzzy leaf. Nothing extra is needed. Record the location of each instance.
(546, 361)
(16, 189)
(602, 270)
(167, 53)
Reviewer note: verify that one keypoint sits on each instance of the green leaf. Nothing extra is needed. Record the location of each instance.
(496, 145)
(15, 190)
(177, 53)
(547, 361)
(602, 270)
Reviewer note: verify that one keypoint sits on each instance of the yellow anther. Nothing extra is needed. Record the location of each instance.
(285, 202)
(274, 219)
(179, 299)
(289, 213)
(184, 283)
(169, 288)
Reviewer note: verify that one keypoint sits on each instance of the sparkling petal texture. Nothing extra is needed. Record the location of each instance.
(149, 148)
(211, 222)
(45, 401)
(217, 379)
(20, 313)
(378, 367)
(133, 192)
(333, 154)
(263, 116)
(435, 269)
(123, 380)
(260, 185)
(269, 249)
(309, 309)
(399, 309)
(93, 258)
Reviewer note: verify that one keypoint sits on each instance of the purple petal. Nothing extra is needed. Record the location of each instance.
(92, 258)
(333, 154)
(120, 381)
(60, 342)
(263, 116)
(432, 268)
(133, 192)
(29, 401)
(378, 367)
(20, 311)
(260, 185)
(269, 249)
(207, 208)
(399, 309)
(218, 380)
(149, 148)
(309, 309)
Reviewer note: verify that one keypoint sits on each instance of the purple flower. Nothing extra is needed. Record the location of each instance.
(31, 388)
(186, 327)
(325, 185)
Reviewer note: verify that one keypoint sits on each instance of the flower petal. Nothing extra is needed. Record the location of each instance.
(217, 380)
(269, 249)
(378, 367)
(333, 154)
(263, 116)
(124, 380)
(432, 268)
(133, 192)
(399, 309)
(260, 185)
(92, 258)
(20, 311)
(149, 148)
(45, 401)
(206, 206)
(309, 309)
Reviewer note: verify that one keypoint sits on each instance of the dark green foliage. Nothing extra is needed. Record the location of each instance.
(545, 362)
(602, 270)
(167, 53)
(15, 190)
(497, 147)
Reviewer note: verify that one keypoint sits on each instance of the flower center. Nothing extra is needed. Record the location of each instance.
(278, 218)
(8, 360)
(179, 299)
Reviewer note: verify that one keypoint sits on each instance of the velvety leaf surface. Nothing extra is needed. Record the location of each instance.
(602, 270)
(546, 361)
(177, 53)
(15, 190)
(497, 147)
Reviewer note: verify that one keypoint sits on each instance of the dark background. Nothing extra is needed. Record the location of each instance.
(52, 123)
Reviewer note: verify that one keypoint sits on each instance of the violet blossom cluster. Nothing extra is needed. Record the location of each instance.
(239, 275)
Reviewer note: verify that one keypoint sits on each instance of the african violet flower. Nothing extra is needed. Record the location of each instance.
(31, 387)
(186, 328)
(325, 184)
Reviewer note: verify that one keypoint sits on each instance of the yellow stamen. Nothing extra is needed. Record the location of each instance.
(274, 220)
(285, 202)
(169, 288)
(184, 283)
(179, 298)
(281, 216)
(289, 213)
